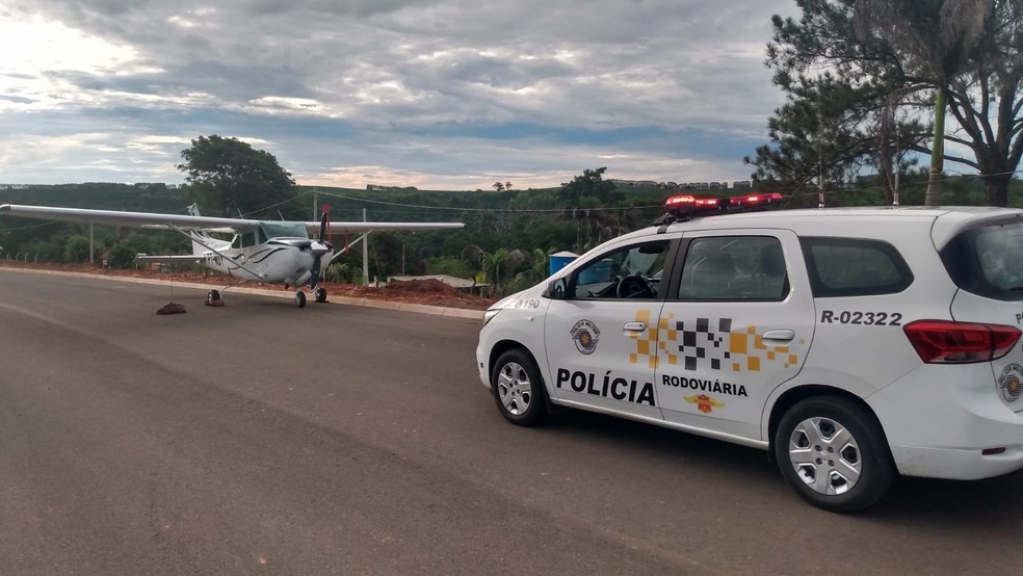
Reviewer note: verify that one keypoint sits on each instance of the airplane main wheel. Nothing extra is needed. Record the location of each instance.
(321, 295)
(212, 296)
(300, 299)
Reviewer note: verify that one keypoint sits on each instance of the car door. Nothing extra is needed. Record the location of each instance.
(611, 303)
(742, 319)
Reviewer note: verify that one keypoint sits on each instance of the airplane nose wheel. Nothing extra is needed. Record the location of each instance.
(320, 295)
(300, 299)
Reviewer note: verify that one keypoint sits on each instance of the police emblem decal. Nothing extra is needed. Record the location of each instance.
(1010, 382)
(585, 335)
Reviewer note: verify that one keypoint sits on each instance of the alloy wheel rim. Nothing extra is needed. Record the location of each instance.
(513, 388)
(825, 456)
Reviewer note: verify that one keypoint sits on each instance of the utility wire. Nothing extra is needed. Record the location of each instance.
(612, 209)
(33, 226)
(282, 203)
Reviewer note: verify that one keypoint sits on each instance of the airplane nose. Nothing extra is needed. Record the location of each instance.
(320, 248)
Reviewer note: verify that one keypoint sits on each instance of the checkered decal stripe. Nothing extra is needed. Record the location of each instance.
(699, 339)
(705, 344)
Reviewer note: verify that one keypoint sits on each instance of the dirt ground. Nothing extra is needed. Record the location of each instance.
(429, 292)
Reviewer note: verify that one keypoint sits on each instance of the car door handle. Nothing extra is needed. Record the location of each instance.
(635, 327)
(779, 335)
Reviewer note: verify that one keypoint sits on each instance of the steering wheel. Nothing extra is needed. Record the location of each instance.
(635, 286)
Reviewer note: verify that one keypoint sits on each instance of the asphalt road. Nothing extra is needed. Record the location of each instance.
(262, 439)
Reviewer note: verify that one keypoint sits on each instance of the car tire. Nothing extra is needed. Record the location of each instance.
(834, 453)
(518, 388)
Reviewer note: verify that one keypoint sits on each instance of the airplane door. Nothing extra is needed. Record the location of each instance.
(598, 339)
(743, 320)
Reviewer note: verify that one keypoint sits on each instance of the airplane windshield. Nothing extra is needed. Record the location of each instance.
(268, 230)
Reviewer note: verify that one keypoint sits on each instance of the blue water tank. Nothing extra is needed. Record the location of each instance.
(560, 260)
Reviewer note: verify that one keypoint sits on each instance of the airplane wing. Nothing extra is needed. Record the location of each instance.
(207, 223)
(342, 227)
(135, 219)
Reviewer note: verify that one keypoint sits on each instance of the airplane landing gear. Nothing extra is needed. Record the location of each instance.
(213, 298)
(300, 299)
(320, 294)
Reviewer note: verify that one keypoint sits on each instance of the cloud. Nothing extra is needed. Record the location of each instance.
(437, 91)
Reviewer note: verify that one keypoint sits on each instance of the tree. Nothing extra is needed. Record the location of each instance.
(916, 52)
(498, 186)
(829, 130)
(590, 184)
(584, 199)
(507, 185)
(540, 268)
(76, 249)
(935, 38)
(499, 264)
(227, 176)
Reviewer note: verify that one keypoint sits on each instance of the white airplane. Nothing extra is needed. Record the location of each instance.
(273, 252)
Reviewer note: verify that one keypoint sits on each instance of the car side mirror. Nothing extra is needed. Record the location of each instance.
(557, 289)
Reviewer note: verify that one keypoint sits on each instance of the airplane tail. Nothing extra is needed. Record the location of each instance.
(198, 238)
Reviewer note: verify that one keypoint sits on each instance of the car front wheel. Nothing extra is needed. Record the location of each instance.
(834, 454)
(518, 388)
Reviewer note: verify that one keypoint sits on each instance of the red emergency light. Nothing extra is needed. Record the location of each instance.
(688, 201)
(755, 199)
(688, 206)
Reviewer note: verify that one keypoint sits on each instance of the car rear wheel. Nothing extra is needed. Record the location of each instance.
(518, 388)
(834, 454)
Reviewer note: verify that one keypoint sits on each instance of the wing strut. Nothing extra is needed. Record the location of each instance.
(226, 258)
(347, 246)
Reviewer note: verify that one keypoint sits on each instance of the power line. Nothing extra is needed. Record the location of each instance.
(282, 203)
(511, 210)
(945, 180)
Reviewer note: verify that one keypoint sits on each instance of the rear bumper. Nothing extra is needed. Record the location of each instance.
(956, 464)
(938, 419)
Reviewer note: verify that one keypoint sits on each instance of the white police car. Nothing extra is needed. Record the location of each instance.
(855, 344)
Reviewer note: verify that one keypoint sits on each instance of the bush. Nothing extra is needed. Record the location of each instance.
(122, 256)
(76, 249)
(451, 266)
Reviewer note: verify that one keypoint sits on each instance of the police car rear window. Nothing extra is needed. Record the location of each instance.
(841, 267)
(988, 261)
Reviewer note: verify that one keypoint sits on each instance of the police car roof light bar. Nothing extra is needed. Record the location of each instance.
(686, 207)
(755, 199)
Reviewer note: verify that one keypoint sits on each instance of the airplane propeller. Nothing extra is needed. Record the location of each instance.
(320, 247)
(324, 220)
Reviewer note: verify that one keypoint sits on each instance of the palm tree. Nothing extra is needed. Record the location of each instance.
(541, 264)
(488, 263)
(936, 36)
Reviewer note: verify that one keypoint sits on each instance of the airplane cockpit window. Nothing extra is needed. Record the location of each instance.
(268, 230)
(633, 272)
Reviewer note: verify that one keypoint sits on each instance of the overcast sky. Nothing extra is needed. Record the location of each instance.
(439, 94)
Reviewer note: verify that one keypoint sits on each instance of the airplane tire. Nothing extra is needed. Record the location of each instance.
(300, 299)
(212, 296)
(321, 295)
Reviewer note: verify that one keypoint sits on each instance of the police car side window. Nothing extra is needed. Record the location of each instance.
(854, 267)
(633, 272)
(734, 268)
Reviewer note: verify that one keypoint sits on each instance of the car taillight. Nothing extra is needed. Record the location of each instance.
(946, 342)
